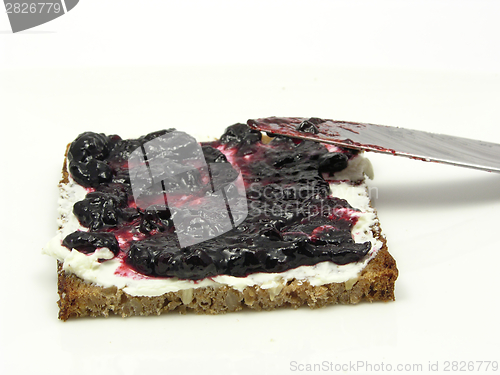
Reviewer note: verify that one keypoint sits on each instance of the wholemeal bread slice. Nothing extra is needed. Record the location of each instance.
(79, 297)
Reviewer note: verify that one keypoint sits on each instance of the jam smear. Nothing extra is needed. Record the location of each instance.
(292, 220)
(88, 242)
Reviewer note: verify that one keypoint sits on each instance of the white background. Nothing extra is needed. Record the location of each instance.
(133, 67)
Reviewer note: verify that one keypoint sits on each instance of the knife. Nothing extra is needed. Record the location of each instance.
(384, 139)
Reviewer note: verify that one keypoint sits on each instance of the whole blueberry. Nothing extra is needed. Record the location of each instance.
(89, 145)
(332, 162)
(91, 173)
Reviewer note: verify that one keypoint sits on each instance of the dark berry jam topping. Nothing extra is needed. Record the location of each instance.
(332, 162)
(241, 137)
(291, 219)
(88, 242)
(89, 146)
(86, 157)
(308, 126)
(103, 210)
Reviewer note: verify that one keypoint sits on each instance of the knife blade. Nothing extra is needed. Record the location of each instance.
(385, 139)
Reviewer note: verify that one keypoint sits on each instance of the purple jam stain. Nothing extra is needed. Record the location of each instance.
(292, 219)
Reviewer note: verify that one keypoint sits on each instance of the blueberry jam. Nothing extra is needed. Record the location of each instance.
(291, 218)
(88, 242)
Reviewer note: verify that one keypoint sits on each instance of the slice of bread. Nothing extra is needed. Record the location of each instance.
(79, 298)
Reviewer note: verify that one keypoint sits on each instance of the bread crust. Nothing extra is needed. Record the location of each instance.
(79, 298)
